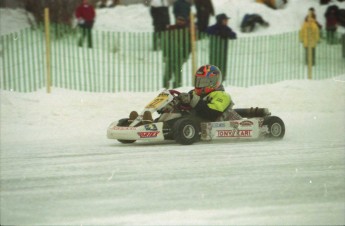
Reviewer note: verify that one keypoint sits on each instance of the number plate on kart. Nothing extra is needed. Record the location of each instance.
(158, 101)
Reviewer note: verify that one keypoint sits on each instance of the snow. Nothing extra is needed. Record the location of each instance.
(13, 20)
(57, 167)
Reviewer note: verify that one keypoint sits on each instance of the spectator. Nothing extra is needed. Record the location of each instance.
(182, 9)
(324, 2)
(114, 3)
(176, 52)
(220, 33)
(309, 36)
(341, 17)
(313, 14)
(274, 4)
(160, 16)
(331, 24)
(85, 14)
(204, 9)
(250, 20)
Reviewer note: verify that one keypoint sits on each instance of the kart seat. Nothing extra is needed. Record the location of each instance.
(253, 112)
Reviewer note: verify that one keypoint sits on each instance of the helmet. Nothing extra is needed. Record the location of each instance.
(208, 78)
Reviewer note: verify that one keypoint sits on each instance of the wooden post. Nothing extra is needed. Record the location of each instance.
(47, 39)
(309, 50)
(193, 43)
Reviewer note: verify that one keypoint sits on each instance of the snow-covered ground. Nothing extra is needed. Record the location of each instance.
(57, 167)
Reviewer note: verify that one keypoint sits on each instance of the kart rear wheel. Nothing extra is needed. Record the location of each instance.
(276, 127)
(186, 131)
(124, 123)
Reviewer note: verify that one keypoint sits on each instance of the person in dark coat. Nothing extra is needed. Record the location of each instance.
(341, 17)
(331, 24)
(182, 8)
(160, 15)
(220, 34)
(324, 2)
(249, 22)
(204, 8)
(176, 51)
(85, 14)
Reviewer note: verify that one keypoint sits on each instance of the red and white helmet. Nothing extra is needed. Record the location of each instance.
(208, 78)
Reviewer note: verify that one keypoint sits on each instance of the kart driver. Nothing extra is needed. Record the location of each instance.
(209, 99)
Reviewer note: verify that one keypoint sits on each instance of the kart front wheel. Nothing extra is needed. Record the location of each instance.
(186, 131)
(276, 127)
(124, 122)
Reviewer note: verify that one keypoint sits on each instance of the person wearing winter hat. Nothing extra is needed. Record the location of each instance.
(220, 33)
(85, 14)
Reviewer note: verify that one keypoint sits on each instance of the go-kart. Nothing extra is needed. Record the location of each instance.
(180, 124)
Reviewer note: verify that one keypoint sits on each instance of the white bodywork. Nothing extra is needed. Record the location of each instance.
(235, 129)
(149, 132)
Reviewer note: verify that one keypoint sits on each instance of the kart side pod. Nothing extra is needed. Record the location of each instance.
(235, 129)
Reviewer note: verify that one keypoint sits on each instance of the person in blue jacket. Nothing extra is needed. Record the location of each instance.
(220, 33)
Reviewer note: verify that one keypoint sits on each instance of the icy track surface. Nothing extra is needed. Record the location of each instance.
(57, 167)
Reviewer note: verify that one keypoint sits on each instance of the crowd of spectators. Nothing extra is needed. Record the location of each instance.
(174, 39)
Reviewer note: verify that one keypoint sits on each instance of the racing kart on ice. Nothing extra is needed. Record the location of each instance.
(182, 126)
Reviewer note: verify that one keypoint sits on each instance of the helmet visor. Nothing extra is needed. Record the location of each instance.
(201, 82)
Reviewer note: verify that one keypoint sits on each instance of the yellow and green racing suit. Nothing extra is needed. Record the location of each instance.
(213, 105)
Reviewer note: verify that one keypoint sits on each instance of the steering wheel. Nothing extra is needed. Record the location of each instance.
(179, 106)
(174, 92)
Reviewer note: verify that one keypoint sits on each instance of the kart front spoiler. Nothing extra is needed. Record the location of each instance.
(149, 132)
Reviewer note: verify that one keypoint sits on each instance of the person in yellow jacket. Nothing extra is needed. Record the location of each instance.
(309, 36)
(209, 100)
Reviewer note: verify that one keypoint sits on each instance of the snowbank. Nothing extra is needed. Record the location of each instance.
(12, 20)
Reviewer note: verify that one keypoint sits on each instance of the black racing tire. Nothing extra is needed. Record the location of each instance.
(276, 127)
(124, 122)
(186, 131)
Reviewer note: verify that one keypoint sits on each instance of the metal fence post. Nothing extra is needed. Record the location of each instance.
(310, 53)
(192, 37)
(47, 31)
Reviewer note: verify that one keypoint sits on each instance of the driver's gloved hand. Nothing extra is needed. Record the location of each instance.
(189, 98)
(185, 98)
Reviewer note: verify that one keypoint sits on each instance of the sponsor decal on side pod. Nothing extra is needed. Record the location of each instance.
(148, 134)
